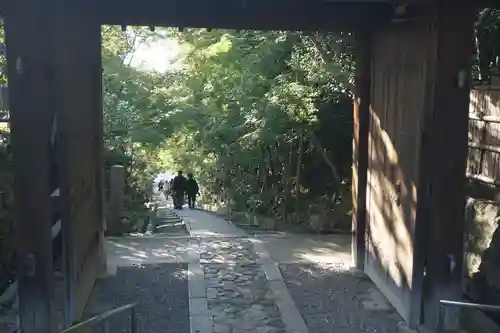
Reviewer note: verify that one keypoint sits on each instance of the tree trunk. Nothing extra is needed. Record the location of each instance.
(319, 147)
(287, 182)
(263, 170)
(300, 153)
(274, 179)
(272, 171)
(228, 182)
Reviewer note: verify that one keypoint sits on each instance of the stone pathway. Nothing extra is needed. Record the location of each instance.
(218, 279)
(232, 286)
(204, 225)
(239, 298)
(236, 286)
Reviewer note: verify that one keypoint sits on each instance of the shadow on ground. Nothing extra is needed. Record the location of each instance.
(288, 248)
(332, 298)
(147, 250)
(161, 291)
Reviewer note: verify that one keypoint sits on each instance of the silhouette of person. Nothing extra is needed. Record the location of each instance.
(179, 189)
(192, 190)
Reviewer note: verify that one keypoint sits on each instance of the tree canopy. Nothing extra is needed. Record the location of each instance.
(251, 113)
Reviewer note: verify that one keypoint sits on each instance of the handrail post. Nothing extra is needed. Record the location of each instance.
(445, 303)
(105, 327)
(440, 323)
(103, 319)
(133, 322)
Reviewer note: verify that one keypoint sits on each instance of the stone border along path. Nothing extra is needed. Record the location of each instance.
(235, 287)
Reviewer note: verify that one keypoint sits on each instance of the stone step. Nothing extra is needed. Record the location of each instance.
(169, 223)
(168, 217)
(166, 213)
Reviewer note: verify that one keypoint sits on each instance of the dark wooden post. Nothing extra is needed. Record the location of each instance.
(79, 114)
(443, 157)
(98, 129)
(360, 146)
(31, 96)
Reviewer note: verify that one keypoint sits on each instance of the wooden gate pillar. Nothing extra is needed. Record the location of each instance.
(418, 147)
(30, 68)
(440, 221)
(94, 45)
(79, 119)
(54, 76)
(360, 146)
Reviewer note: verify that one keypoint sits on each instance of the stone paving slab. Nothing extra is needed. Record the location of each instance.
(331, 298)
(204, 225)
(244, 290)
(237, 295)
(126, 252)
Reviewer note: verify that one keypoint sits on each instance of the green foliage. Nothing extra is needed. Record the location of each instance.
(242, 104)
(135, 112)
(487, 31)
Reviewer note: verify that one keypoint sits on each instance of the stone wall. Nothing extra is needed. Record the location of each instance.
(482, 257)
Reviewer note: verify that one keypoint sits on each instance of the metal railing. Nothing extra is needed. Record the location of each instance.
(477, 306)
(103, 319)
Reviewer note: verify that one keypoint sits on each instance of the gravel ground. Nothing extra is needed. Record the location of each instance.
(330, 299)
(161, 291)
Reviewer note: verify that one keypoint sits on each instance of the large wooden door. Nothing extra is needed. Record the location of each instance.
(397, 103)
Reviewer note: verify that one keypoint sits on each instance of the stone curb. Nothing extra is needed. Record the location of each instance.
(200, 320)
(291, 316)
(188, 227)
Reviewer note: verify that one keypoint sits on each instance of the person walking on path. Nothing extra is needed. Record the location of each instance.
(179, 189)
(192, 190)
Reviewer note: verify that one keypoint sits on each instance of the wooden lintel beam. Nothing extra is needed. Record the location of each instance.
(229, 14)
(147, 13)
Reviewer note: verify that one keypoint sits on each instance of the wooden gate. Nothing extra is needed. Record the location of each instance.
(79, 140)
(397, 100)
(56, 126)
